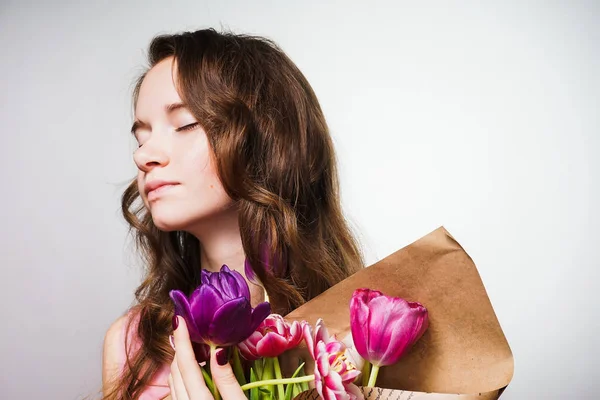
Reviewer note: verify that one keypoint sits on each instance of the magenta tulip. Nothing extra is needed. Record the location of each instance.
(334, 368)
(384, 328)
(272, 337)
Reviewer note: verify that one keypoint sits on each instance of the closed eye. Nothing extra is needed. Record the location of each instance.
(188, 127)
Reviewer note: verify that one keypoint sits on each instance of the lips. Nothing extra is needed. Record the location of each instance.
(158, 186)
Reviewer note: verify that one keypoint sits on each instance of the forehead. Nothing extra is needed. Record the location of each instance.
(157, 89)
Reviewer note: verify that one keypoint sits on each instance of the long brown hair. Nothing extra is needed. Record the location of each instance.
(275, 158)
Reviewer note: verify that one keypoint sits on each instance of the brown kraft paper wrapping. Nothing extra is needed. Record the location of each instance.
(463, 354)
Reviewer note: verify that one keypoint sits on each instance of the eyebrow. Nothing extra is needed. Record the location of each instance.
(169, 108)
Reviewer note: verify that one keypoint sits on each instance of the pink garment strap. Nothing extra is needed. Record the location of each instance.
(159, 387)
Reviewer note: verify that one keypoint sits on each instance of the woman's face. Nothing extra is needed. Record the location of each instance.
(177, 178)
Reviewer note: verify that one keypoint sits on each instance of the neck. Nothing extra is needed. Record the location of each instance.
(220, 242)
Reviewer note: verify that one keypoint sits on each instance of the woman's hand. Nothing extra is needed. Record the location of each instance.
(186, 380)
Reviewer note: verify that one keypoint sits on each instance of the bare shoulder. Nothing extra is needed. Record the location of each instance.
(113, 350)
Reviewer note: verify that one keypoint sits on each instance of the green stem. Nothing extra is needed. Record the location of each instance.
(251, 385)
(373, 377)
(237, 366)
(268, 373)
(215, 392)
(278, 376)
(207, 380)
(365, 373)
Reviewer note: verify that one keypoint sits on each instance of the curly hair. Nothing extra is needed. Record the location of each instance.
(275, 158)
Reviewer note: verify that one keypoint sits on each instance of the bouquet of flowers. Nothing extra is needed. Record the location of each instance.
(337, 342)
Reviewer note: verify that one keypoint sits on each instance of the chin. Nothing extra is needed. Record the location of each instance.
(169, 222)
(167, 226)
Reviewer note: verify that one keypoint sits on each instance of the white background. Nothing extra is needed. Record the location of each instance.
(481, 118)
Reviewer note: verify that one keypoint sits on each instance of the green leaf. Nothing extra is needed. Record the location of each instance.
(300, 368)
(264, 393)
(304, 386)
(268, 373)
(258, 365)
(253, 391)
(296, 390)
(288, 391)
(289, 388)
(278, 375)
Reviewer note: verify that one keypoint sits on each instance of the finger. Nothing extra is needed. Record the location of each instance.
(187, 365)
(180, 390)
(172, 387)
(223, 377)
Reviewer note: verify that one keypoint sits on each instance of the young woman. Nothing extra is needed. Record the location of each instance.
(235, 164)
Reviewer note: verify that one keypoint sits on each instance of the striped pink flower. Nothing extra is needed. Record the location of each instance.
(335, 369)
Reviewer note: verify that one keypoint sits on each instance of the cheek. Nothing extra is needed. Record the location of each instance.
(201, 170)
(208, 186)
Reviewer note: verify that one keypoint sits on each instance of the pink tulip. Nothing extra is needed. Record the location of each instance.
(272, 337)
(384, 328)
(334, 368)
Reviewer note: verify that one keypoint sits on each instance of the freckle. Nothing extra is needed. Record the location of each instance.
(211, 186)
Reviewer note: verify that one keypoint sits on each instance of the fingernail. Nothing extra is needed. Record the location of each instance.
(172, 341)
(175, 322)
(222, 356)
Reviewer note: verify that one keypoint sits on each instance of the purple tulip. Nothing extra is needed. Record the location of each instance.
(383, 327)
(201, 351)
(218, 312)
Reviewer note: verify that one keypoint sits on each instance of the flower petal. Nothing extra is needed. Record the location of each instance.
(259, 313)
(201, 351)
(307, 334)
(241, 285)
(295, 333)
(384, 316)
(205, 277)
(359, 317)
(321, 333)
(206, 304)
(329, 394)
(354, 392)
(271, 345)
(334, 383)
(322, 359)
(231, 323)
(229, 286)
(182, 307)
(213, 279)
(411, 323)
(247, 347)
(349, 375)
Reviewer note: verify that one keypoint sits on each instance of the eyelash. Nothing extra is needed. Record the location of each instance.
(188, 127)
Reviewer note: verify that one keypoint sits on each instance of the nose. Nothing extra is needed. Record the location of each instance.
(152, 154)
